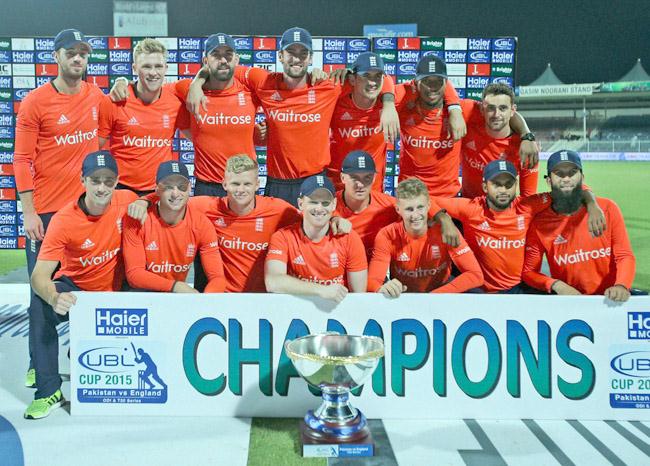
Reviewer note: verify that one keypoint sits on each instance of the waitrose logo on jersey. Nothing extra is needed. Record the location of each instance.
(98, 260)
(582, 256)
(289, 116)
(78, 137)
(146, 142)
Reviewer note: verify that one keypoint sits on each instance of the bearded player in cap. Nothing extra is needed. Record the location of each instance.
(84, 239)
(56, 127)
(307, 259)
(579, 263)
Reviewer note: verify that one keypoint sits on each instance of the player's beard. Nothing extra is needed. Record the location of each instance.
(67, 72)
(220, 75)
(500, 203)
(566, 202)
(293, 74)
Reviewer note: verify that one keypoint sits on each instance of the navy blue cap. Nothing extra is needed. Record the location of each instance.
(98, 160)
(315, 182)
(218, 40)
(171, 167)
(68, 38)
(358, 161)
(295, 35)
(562, 156)
(430, 65)
(496, 167)
(368, 61)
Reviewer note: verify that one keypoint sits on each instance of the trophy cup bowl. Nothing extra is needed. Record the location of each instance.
(335, 364)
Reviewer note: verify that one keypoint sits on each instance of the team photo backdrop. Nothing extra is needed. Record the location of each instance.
(26, 63)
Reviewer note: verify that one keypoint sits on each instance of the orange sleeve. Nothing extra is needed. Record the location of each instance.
(457, 207)
(198, 203)
(387, 87)
(471, 275)
(27, 128)
(180, 88)
(356, 260)
(278, 247)
(183, 119)
(621, 248)
(472, 112)
(536, 203)
(534, 254)
(401, 93)
(211, 257)
(380, 261)
(451, 96)
(135, 260)
(528, 180)
(251, 77)
(55, 241)
(434, 208)
(105, 124)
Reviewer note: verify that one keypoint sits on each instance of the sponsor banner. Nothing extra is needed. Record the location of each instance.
(408, 43)
(390, 30)
(245, 56)
(388, 55)
(476, 94)
(412, 56)
(24, 69)
(170, 43)
(455, 56)
(9, 243)
(332, 44)
(7, 182)
(8, 230)
(189, 56)
(8, 206)
(20, 94)
(6, 95)
(478, 56)
(172, 56)
(265, 43)
(452, 43)
(503, 57)
(504, 43)
(190, 43)
(6, 145)
(608, 156)
(432, 43)
(44, 56)
(22, 57)
(478, 69)
(438, 53)
(95, 42)
(7, 132)
(6, 82)
(22, 44)
(6, 119)
(119, 43)
(49, 70)
(6, 157)
(243, 43)
(264, 56)
(636, 86)
(8, 218)
(5, 69)
(502, 70)
(478, 43)
(358, 45)
(5, 56)
(567, 357)
(5, 43)
(188, 69)
(459, 82)
(557, 90)
(503, 80)
(384, 43)
(46, 44)
(120, 56)
(98, 56)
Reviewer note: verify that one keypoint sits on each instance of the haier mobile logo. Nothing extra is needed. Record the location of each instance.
(97, 69)
(358, 45)
(120, 68)
(5, 82)
(638, 325)
(45, 57)
(186, 145)
(479, 56)
(386, 43)
(6, 157)
(334, 45)
(8, 243)
(243, 43)
(189, 43)
(408, 56)
(352, 56)
(334, 57)
(632, 364)
(478, 44)
(8, 218)
(121, 321)
(46, 44)
(477, 82)
(503, 57)
(98, 42)
(23, 57)
(119, 56)
(455, 56)
(263, 56)
(172, 56)
(190, 56)
(505, 43)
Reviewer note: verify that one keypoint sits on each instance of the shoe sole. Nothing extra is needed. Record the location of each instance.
(58, 404)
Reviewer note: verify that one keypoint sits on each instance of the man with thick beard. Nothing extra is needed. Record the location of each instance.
(579, 263)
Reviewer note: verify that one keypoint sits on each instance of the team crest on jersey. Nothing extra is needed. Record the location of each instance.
(346, 117)
(311, 96)
(220, 222)
(403, 257)
(94, 113)
(521, 222)
(87, 244)
(435, 251)
(241, 99)
(165, 119)
(191, 250)
(276, 96)
(259, 224)
(334, 260)
(63, 120)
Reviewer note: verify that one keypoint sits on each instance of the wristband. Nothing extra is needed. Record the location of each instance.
(529, 136)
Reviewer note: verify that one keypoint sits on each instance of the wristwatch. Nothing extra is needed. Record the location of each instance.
(528, 137)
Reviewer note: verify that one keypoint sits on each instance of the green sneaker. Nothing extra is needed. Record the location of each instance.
(41, 408)
(30, 379)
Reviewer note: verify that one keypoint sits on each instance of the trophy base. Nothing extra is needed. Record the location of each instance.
(318, 445)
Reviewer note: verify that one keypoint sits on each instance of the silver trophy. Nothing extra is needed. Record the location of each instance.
(335, 364)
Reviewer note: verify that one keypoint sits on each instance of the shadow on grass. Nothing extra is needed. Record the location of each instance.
(277, 441)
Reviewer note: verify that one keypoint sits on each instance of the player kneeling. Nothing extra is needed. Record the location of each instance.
(419, 261)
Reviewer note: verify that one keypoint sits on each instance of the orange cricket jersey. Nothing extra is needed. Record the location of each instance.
(244, 240)
(54, 133)
(498, 239)
(157, 254)
(326, 262)
(222, 131)
(423, 264)
(88, 247)
(141, 135)
(590, 265)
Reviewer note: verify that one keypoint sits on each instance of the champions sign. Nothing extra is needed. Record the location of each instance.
(447, 356)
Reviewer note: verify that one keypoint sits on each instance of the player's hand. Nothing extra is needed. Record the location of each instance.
(457, 125)
(317, 76)
(339, 76)
(392, 288)
(617, 293)
(562, 288)
(529, 154)
(196, 100)
(389, 123)
(33, 226)
(182, 287)
(62, 302)
(119, 91)
(450, 233)
(137, 210)
(596, 221)
(259, 135)
(335, 292)
(340, 226)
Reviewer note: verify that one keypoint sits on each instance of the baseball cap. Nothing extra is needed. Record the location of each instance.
(68, 38)
(496, 167)
(368, 61)
(430, 65)
(358, 161)
(315, 182)
(295, 35)
(218, 40)
(171, 167)
(98, 160)
(562, 156)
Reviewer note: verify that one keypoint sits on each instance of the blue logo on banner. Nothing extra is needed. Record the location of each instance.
(505, 43)
(21, 230)
(479, 56)
(408, 56)
(8, 206)
(44, 57)
(259, 118)
(264, 56)
(47, 43)
(100, 43)
(358, 45)
(5, 56)
(6, 132)
(186, 157)
(477, 82)
(632, 364)
(97, 69)
(40, 80)
(132, 322)
(6, 120)
(120, 68)
(7, 218)
(7, 182)
(436, 53)
(6, 107)
(503, 80)
(6, 157)
(334, 57)
(189, 43)
(352, 56)
(461, 92)
(22, 57)
(638, 325)
(333, 45)
(121, 56)
(5, 82)
(455, 56)
(390, 68)
(190, 56)
(20, 94)
(8, 243)
(629, 400)
(385, 43)
(406, 69)
(243, 43)
(475, 43)
(503, 57)
(185, 145)
(8, 230)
